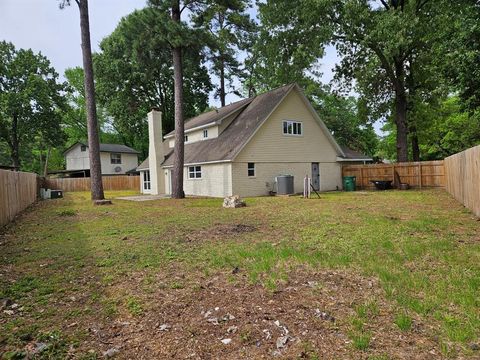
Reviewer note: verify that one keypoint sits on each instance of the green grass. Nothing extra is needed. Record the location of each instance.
(422, 246)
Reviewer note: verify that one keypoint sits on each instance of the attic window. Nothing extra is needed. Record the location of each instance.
(294, 128)
(205, 134)
(186, 138)
(251, 169)
(83, 148)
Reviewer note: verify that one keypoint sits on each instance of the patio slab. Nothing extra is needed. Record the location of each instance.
(143, 197)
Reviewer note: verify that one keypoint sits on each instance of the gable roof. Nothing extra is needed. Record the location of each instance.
(212, 117)
(229, 143)
(252, 113)
(112, 148)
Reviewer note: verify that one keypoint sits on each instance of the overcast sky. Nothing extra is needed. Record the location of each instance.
(43, 27)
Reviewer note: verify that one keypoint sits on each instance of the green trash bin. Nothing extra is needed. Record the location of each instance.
(349, 183)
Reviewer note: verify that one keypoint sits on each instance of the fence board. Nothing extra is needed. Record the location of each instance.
(416, 174)
(119, 182)
(462, 173)
(18, 190)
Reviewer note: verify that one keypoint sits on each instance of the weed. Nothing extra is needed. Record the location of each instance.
(134, 306)
(403, 321)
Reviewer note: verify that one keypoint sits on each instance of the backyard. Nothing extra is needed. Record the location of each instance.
(360, 275)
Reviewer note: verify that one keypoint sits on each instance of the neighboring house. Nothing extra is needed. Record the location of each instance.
(115, 158)
(239, 149)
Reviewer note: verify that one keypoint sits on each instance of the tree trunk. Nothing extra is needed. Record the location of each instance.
(222, 81)
(401, 123)
(47, 157)
(401, 111)
(92, 124)
(14, 147)
(178, 151)
(415, 145)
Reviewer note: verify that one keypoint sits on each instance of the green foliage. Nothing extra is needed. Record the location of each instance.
(134, 74)
(31, 103)
(227, 27)
(403, 321)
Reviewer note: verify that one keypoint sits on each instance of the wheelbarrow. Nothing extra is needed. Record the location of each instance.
(382, 184)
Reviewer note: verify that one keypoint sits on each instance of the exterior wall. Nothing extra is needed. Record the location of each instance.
(197, 135)
(265, 173)
(270, 145)
(275, 153)
(76, 159)
(129, 162)
(216, 181)
(79, 160)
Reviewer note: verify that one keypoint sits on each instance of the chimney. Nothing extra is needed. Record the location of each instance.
(155, 152)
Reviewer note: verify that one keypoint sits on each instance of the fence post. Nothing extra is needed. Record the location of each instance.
(420, 174)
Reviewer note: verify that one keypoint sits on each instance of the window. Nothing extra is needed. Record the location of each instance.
(251, 169)
(115, 158)
(146, 180)
(83, 148)
(292, 128)
(194, 172)
(205, 134)
(186, 138)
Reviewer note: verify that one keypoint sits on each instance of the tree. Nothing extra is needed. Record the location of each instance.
(376, 41)
(134, 73)
(31, 102)
(92, 125)
(179, 35)
(227, 26)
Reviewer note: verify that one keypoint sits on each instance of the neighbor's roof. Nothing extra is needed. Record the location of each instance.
(351, 155)
(112, 148)
(249, 115)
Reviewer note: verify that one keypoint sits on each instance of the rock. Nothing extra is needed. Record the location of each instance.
(9, 312)
(323, 315)
(282, 341)
(14, 306)
(235, 270)
(232, 329)
(39, 347)
(233, 202)
(111, 352)
(213, 320)
(228, 317)
(164, 327)
(5, 303)
(226, 341)
(474, 347)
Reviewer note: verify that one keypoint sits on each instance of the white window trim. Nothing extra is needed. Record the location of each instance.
(254, 171)
(292, 121)
(149, 181)
(119, 157)
(194, 172)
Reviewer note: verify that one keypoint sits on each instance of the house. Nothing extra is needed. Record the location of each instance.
(115, 159)
(240, 148)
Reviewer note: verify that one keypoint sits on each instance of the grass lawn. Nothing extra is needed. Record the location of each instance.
(365, 275)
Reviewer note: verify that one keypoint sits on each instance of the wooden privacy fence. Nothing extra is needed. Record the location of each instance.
(462, 172)
(416, 174)
(118, 182)
(18, 190)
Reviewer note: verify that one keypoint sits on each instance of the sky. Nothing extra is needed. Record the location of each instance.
(43, 27)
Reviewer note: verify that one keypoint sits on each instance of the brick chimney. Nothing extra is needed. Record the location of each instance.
(155, 152)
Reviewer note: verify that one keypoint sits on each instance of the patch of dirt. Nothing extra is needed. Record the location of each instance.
(214, 318)
(220, 231)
